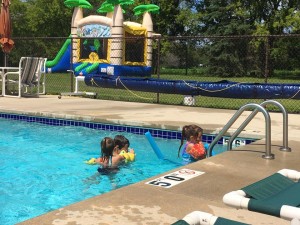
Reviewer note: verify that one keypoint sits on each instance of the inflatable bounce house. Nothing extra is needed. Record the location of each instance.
(107, 45)
(108, 52)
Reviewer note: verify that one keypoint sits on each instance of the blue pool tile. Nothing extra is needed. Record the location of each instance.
(166, 134)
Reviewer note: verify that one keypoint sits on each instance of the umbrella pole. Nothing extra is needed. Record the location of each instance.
(5, 59)
(5, 65)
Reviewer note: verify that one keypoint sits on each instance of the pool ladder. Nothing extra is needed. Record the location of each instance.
(257, 107)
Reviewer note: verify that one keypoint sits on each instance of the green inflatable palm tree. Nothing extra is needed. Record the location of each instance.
(106, 8)
(78, 3)
(109, 5)
(141, 9)
(120, 2)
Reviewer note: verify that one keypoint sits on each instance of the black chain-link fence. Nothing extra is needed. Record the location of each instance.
(242, 59)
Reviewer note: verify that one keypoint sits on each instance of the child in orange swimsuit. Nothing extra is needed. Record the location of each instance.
(194, 149)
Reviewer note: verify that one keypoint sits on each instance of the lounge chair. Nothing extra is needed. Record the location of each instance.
(203, 218)
(277, 195)
(3, 70)
(26, 77)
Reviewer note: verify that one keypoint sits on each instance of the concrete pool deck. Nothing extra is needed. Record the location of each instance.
(148, 204)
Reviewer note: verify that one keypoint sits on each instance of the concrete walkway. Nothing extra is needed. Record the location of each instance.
(148, 204)
(147, 115)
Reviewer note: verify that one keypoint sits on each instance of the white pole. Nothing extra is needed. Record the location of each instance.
(148, 24)
(117, 35)
(77, 16)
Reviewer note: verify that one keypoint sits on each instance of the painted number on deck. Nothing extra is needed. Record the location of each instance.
(175, 178)
(236, 142)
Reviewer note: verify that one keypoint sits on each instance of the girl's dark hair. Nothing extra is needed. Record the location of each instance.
(107, 147)
(188, 131)
(121, 141)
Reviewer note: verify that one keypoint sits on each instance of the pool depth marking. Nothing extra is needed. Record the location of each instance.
(175, 178)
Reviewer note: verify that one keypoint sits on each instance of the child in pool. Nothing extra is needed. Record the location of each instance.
(106, 161)
(122, 149)
(194, 149)
(121, 152)
(108, 165)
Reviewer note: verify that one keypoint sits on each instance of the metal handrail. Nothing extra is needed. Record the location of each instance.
(268, 154)
(252, 115)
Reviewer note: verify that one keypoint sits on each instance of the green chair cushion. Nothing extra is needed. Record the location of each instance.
(180, 222)
(268, 186)
(288, 196)
(223, 221)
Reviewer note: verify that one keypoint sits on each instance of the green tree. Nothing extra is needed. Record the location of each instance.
(273, 17)
(236, 17)
(18, 12)
(165, 21)
(226, 56)
(41, 18)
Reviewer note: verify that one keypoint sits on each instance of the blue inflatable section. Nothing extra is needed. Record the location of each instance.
(222, 89)
(64, 63)
(138, 71)
(105, 68)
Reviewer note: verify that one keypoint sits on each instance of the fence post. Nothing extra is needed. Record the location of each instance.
(267, 62)
(71, 63)
(186, 57)
(158, 66)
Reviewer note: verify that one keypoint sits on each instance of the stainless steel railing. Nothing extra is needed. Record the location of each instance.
(268, 154)
(284, 146)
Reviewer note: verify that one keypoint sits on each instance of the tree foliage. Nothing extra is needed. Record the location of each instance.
(40, 18)
(225, 56)
(235, 17)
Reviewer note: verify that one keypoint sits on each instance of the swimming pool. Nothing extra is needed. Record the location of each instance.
(42, 166)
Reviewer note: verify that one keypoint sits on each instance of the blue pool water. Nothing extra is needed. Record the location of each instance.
(42, 168)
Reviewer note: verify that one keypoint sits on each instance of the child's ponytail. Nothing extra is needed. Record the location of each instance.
(183, 136)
